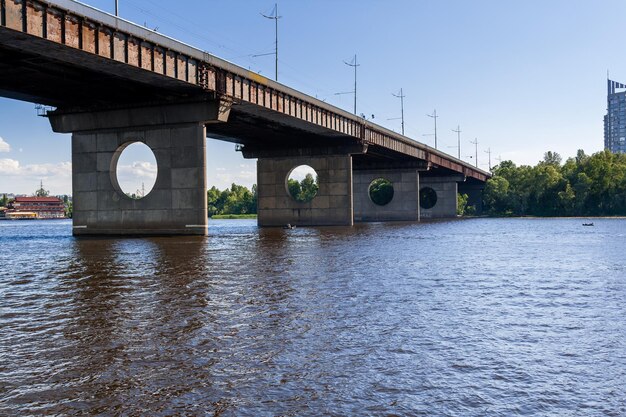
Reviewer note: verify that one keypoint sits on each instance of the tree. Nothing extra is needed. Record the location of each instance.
(4, 201)
(381, 191)
(309, 188)
(551, 158)
(303, 191)
(234, 200)
(584, 186)
(461, 204)
(496, 196)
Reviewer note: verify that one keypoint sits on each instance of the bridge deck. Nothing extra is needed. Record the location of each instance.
(35, 36)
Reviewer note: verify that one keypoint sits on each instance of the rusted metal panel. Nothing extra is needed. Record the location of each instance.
(192, 68)
(34, 19)
(146, 56)
(89, 37)
(237, 87)
(133, 52)
(72, 31)
(245, 90)
(13, 14)
(230, 83)
(267, 98)
(105, 41)
(280, 102)
(181, 67)
(119, 47)
(54, 23)
(212, 79)
(159, 60)
(170, 64)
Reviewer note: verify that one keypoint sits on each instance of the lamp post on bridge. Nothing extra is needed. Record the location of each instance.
(434, 116)
(275, 17)
(401, 97)
(353, 64)
(488, 152)
(475, 143)
(458, 135)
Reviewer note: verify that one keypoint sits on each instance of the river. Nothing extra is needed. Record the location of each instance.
(492, 317)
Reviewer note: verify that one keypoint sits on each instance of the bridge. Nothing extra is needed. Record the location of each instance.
(113, 83)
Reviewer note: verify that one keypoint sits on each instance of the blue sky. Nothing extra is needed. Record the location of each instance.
(523, 77)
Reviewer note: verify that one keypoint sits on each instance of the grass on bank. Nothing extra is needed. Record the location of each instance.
(233, 216)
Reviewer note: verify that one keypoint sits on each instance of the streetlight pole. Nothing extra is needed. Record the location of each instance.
(488, 152)
(275, 17)
(353, 64)
(401, 96)
(475, 142)
(116, 9)
(458, 135)
(434, 116)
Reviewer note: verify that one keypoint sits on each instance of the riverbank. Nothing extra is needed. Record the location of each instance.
(232, 216)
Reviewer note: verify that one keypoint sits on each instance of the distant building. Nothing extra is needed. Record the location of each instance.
(615, 119)
(43, 207)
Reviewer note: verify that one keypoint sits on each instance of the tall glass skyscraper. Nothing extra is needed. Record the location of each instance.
(615, 119)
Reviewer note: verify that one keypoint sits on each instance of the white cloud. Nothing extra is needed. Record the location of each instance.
(300, 172)
(9, 166)
(136, 177)
(247, 175)
(12, 167)
(138, 169)
(4, 147)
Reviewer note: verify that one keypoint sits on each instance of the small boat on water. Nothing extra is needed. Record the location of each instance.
(587, 224)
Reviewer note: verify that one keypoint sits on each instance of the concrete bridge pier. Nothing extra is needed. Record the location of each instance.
(404, 206)
(176, 135)
(438, 196)
(332, 206)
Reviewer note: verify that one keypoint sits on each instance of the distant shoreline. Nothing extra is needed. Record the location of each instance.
(233, 216)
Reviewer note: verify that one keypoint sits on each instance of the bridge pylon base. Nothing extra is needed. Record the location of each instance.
(176, 205)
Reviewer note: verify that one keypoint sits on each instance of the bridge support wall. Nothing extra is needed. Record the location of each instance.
(404, 206)
(446, 189)
(331, 206)
(177, 204)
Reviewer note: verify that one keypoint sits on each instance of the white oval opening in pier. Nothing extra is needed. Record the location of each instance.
(302, 183)
(136, 170)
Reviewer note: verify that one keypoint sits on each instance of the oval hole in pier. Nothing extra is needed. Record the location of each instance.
(428, 198)
(302, 183)
(381, 191)
(136, 170)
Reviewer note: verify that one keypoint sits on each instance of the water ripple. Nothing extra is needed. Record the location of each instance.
(459, 318)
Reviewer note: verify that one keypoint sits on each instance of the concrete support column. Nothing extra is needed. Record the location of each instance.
(331, 206)
(404, 206)
(176, 134)
(446, 190)
(175, 205)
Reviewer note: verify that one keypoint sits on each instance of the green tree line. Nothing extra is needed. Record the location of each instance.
(586, 185)
(303, 191)
(234, 200)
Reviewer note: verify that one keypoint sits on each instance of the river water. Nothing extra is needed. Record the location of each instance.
(461, 318)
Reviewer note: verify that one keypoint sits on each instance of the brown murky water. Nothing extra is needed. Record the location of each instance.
(476, 317)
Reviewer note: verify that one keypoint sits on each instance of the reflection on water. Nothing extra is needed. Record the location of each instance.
(476, 317)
